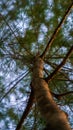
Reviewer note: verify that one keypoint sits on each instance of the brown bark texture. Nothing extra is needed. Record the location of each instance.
(55, 118)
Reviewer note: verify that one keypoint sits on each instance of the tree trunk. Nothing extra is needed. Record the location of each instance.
(55, 118)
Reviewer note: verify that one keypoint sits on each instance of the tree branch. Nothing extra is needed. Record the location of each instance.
(59, 96)
(13, 84)
(56, 31)
(52, 75)
(14, 34)
(26, 111)
(53, 65)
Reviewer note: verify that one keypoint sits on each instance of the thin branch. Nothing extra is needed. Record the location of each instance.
(56, 31)
(61, 72)
(52, 75)
(13, 86)
(59, 96)
(27, 110)
(70, 108)
(58, 57)
(14, 33)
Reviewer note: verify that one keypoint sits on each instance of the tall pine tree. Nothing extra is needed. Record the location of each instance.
(36, 65)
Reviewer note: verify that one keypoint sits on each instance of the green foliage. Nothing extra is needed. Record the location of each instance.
(26, 26)
(11, 114)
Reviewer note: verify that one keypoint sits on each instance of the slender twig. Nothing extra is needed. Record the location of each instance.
(13, 86)
(54, 65)
(61, 72)
(59, 96)
(27, 110)
(14, 33)
(56, 31)
(52, 75)
(58, 57)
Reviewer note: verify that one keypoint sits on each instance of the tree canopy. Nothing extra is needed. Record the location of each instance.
(29, 28)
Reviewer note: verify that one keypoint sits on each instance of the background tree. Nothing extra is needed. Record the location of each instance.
(30, 28)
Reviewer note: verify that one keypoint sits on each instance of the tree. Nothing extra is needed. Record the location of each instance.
(36, 53)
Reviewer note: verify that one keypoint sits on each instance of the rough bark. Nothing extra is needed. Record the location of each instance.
(55, 118)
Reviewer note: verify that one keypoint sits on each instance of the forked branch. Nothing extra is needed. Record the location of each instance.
(56, 31)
